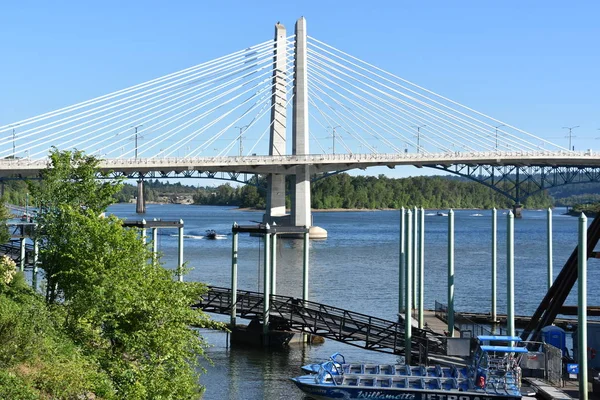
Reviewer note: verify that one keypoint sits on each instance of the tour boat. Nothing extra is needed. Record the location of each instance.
(492, 374)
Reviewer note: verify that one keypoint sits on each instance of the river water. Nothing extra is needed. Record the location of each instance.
(355, 268)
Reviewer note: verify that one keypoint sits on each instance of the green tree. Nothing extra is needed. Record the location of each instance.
(4, 215)
(120, 305)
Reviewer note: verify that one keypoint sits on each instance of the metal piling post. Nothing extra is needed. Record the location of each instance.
(408, 291)
(582, 355)
(180, 253)
(510, 274)
(494, 265)
(421, 267)
(550, 274)
(451, 273)
(401, 264)
(234, 272)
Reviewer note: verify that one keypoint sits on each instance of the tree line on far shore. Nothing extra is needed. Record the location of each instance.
(369, 192)
(349, 192)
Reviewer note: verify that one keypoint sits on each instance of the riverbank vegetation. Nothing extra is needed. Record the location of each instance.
(111, 322)
(343, 191)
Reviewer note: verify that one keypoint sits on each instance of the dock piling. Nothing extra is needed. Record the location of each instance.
(421, 267)
(274, 263)
(266, 284)
(408, 290)
(234, 272)
(494, 265)
(415, 262)
(582, 355)
(510, 274)
(550, 274)
(180, 253)
(451, 273)
(401, 264)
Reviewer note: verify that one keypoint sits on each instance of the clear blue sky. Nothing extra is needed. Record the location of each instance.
(533, 64)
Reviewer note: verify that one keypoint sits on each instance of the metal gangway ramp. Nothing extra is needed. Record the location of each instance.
(334, 323)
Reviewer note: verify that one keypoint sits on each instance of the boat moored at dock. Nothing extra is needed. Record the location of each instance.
(492, 374)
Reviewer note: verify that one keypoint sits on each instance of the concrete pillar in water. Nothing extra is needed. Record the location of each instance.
(301, 212)
(401, 264)
(408, 290)
(518, 210)
(421, 268)
(494, 265)
(274, 263)
(180, 253)
(267, 285)
(510, 274)
(550, 274)
(140, 204)
(582, 355)
(234, 267)
(451, 273)
(277, 144)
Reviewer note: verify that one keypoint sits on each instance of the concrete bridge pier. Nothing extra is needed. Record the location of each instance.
(140, 206)
(518, 210)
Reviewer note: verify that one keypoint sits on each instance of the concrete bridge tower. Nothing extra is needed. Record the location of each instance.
(275, 211)
(276, 185)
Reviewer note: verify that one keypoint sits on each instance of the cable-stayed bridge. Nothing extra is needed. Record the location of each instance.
(228, 118)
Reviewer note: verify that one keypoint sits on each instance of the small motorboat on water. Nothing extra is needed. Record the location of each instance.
(441, 214)
(492, 374)
(210, 234)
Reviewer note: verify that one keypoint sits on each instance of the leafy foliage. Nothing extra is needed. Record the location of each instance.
(113, 315)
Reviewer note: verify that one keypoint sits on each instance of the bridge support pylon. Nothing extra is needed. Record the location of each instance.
(301, 211)
(140, 204)
(518, 210)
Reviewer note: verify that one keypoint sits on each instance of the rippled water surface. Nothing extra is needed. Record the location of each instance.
(356, 268)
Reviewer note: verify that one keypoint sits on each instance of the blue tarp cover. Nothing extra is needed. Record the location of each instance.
(506, 349)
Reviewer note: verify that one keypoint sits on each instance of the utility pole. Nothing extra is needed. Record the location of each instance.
(14, 136)
(242, 129)
(136, 138)
(570, 135)
(418, 136)
(333, 137)
(496, 127)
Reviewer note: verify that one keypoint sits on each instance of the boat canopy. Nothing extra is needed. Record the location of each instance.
(486, 338)
(506, 349)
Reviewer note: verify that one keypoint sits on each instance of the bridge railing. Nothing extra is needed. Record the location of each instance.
(328, 321)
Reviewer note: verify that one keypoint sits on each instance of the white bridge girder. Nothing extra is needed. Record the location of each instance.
(287, 164)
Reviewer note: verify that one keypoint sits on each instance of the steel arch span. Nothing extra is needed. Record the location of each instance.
(520, 182)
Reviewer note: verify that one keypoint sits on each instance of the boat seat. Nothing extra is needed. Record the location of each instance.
(351, 381)
(454, 371)
(369, 382)
(384, 382)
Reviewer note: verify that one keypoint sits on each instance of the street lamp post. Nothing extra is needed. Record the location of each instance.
(496, 128)
(14, 136)
(418, 136)
(333, 137)
(242, 129)
(570, 135)
(136, 139)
